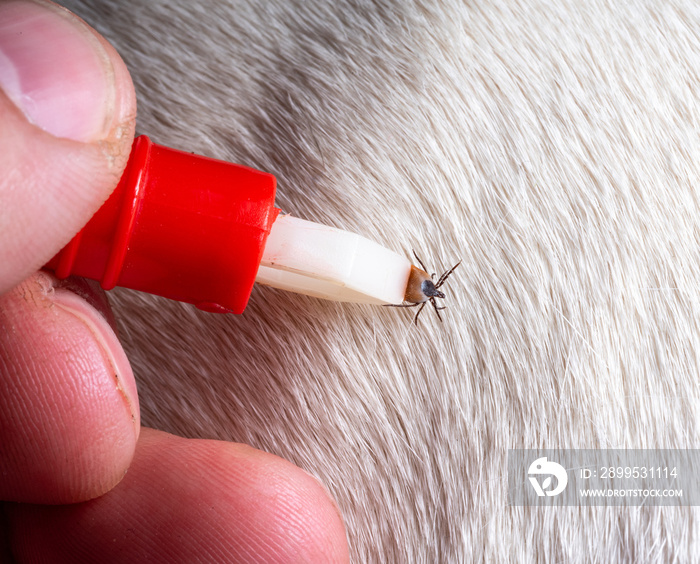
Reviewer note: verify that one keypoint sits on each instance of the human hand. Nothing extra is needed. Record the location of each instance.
(69, 417)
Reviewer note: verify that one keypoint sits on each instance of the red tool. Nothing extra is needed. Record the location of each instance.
(178, 225)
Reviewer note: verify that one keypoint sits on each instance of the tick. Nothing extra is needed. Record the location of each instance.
(422, 288)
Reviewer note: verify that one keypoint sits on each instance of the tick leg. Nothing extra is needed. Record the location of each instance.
(444, 275)
(401, 305)
(419, 261)
(437, 309)
(415, 319)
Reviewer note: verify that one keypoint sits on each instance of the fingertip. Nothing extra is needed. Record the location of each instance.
(69, 417)
(63, 76)
(192, 500)
(68, 109)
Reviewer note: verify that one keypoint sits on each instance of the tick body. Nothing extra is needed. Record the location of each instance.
(422, 289)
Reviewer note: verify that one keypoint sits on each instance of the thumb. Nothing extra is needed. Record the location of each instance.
(67, 112)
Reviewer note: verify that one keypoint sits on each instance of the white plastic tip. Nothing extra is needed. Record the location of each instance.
(324, 262)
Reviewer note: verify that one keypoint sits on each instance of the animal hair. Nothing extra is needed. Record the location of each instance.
(552, 145)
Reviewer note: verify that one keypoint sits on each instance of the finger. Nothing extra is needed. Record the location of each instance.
(68, 409)
(67, 111)
(69, 417)
(186, 501)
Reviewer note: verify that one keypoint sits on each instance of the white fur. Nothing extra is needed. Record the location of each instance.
(553, 146)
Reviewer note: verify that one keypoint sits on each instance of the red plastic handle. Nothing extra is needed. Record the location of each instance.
(178, 225)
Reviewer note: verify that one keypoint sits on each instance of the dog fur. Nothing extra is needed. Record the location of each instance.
(554, 147)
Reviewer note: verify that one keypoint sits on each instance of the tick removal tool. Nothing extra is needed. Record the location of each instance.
(202, 231)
